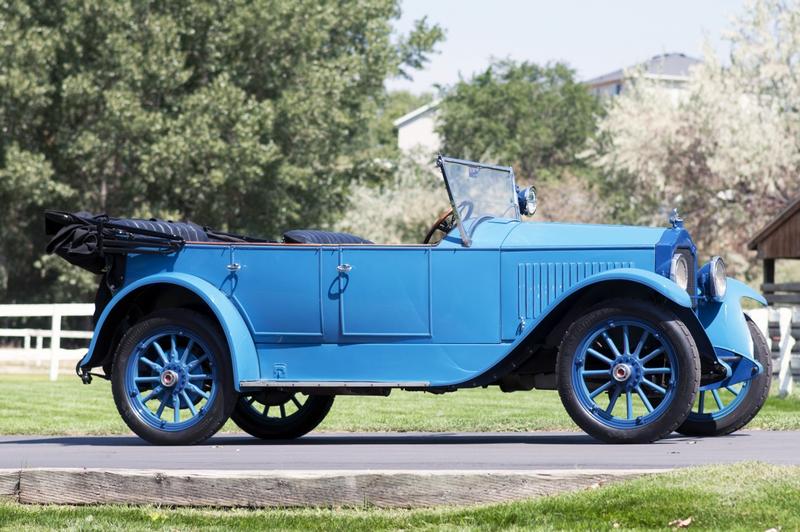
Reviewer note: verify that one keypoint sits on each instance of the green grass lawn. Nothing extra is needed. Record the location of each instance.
(30, 404)
(749, 496)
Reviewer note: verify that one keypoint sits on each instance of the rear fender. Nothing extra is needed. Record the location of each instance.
(244, 359)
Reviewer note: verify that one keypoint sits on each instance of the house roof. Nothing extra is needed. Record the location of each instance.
(671, 65)
(416, 113)
(775, 224)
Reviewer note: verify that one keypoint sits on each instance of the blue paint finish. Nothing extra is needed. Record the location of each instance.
(237, 334)
(386, 292)
(671, 239)
(291, 276)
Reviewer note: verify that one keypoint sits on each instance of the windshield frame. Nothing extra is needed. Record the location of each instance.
(442, 161)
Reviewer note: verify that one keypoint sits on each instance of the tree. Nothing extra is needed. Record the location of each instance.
(241, 115)
(536, 118)
(728, 154)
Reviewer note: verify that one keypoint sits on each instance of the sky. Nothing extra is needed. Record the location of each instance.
(593, 36)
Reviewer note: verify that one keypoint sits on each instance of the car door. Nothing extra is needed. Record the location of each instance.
(278, 290)
(384, 292)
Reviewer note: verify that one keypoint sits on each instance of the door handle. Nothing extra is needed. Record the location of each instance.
(344, 268)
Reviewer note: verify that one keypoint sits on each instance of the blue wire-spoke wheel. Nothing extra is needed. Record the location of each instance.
(628, 371)
(714, 404)
(624, 373)
(171, 379)
(280, 414)
(720, 410)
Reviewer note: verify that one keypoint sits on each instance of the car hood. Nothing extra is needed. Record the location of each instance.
(560, 235)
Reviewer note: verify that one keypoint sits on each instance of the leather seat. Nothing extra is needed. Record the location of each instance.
(313, 236)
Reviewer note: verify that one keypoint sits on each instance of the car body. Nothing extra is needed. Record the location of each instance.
(489, 304)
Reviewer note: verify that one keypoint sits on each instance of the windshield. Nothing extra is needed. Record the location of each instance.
(479, 191)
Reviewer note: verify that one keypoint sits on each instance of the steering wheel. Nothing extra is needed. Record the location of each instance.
(443, 223)
(447, 220)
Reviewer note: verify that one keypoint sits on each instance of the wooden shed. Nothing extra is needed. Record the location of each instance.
(779, 239)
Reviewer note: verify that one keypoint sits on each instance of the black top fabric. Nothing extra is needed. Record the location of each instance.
(313, 236)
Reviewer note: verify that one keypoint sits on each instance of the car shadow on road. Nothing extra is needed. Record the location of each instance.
(334, 439)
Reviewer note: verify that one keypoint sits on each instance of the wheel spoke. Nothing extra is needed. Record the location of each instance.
(296, 402)
(658, 371)
(600, 356)
(610, 344)
(173, 349)
(197, 362)
(596, 373)
(151, 364)
(189, 402)
(197, 390)
(176, 409)
(265, 412)
(283, 410)
(702, 402)
(601, 389)
(614, 396)
(202, 376)
(734, 392)
(652, 355)
(251, 400)
(161, 354)
(629, 400)
(654, 386)
(626, 342)
(155, 393)
(161, 406)
(186, 351)
(155, 378)
(640, 345)
(717, 399)
(644, 399)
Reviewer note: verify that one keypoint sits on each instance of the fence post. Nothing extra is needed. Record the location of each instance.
(55, 345)
(787, 342)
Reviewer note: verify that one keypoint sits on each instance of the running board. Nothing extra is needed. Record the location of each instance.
(331, 384)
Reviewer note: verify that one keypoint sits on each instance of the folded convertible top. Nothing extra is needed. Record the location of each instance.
(90, 241)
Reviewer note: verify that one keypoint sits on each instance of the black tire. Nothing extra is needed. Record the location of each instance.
(670, 330)
(252, 411)
(754, 399)
(215, 414)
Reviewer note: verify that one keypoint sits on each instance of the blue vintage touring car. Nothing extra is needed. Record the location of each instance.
(195, 326)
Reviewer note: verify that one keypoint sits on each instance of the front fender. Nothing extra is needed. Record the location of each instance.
(244, 359)
(726, 327)
(652, 280)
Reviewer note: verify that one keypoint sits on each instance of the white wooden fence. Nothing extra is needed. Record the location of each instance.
(55, 353)
(37, 353)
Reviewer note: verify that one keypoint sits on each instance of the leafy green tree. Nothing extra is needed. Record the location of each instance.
(246, 116)
(536, 118)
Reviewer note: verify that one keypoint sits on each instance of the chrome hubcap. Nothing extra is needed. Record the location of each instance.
(622, 372)
(169, 378)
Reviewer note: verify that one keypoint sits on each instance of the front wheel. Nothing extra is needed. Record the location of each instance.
(171, 378)
(280, 415)
(628, 371)
(725, 410)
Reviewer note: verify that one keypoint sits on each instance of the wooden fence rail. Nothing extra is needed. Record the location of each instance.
(54, 352)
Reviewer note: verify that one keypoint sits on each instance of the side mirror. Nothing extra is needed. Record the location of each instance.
(527, 201)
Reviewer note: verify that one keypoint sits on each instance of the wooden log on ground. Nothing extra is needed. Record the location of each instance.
(388, 489)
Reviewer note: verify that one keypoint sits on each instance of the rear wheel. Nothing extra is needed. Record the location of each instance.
(628, 371)
(171, 378)
(278, 415)
(722, 411)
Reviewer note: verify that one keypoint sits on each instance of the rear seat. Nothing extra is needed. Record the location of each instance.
(313, 236)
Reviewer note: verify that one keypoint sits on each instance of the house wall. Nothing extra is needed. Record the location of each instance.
(419, 134)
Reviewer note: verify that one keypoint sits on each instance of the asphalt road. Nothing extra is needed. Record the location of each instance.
(400, 451)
